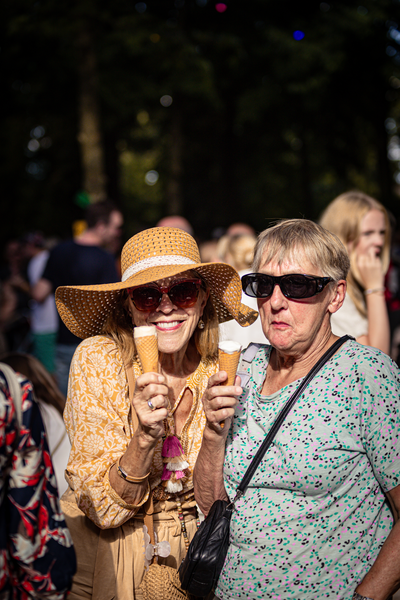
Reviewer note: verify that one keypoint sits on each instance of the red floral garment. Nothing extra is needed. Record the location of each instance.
(37, 558)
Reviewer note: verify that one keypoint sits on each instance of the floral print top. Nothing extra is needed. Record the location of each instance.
(98, 420)
(37, 559)
(314, 517)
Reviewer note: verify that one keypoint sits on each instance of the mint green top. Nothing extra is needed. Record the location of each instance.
(314, 517)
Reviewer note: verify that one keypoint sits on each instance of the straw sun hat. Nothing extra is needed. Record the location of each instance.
(150, 255)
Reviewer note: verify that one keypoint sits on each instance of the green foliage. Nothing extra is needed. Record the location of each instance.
(268, 126)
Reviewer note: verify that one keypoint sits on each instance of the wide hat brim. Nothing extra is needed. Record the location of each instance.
(84, 308)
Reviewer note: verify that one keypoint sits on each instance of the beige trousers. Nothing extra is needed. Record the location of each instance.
(111, 561)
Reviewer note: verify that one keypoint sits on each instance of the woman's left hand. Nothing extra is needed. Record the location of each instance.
(219, 402)
(370, 269)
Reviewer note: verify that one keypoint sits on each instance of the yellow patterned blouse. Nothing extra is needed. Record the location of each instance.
(98, 420)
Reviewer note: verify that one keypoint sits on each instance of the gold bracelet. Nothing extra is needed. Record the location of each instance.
(127, 477)
(374, 291)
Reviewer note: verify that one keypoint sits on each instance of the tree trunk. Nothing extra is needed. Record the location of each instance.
(174, 185)
(89, 137)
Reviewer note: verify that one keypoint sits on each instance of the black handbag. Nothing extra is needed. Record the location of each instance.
(200, 569)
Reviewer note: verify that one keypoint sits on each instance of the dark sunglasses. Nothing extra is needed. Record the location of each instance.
(258, 285)
(182, 294)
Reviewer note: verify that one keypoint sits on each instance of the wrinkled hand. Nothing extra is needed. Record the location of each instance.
(151, 387)
(370, 269)
(219, 402)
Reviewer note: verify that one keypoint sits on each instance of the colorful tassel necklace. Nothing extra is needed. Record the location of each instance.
(173, 455)
(174, 460)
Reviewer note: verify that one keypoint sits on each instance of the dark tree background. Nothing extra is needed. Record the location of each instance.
(233, 111)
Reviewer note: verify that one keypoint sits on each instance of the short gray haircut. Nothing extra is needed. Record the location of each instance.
(322, 248)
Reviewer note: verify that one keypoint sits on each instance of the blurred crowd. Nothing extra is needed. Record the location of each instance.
(31, 326)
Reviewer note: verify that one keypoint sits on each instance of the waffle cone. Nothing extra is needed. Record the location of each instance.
(229, 363)
(147, 349)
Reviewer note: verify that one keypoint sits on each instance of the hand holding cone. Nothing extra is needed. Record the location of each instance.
(229, 355)
(175, 463)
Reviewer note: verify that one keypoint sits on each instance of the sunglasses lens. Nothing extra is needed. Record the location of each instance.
(265, 286)
(184, 294)
(298, 286)
(146, 298)
(257, 285)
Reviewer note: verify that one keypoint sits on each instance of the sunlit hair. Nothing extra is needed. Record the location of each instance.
(237, 250)
(118, 326)
(44, 386)
(343, 217)
(289, 238)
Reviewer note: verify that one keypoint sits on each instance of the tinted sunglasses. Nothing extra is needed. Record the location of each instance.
(258, 285)
(182, 294)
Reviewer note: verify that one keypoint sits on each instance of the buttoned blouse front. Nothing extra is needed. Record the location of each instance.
(99, 423)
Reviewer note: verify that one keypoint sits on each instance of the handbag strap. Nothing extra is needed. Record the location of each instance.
(283, 414)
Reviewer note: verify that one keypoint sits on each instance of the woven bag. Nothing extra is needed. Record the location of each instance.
(159, 582)
(162, 583)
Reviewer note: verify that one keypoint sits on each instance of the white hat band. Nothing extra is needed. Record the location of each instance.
(156, 261)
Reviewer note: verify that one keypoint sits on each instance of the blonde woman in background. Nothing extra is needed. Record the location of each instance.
(238, 251)
(362, 224)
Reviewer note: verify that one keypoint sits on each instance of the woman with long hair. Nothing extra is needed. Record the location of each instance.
(363, 225)
(124, 422)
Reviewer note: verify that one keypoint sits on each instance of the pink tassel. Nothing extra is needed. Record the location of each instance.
(166, 474)
(171, 447)
(179, 474)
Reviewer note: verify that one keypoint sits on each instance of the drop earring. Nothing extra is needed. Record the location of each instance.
(201, 324)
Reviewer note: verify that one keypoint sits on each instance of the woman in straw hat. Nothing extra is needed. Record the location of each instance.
(123, 423)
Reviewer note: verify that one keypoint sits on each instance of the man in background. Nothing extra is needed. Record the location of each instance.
(81, 261)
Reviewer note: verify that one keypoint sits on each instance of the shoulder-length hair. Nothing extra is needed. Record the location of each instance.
(343, 217)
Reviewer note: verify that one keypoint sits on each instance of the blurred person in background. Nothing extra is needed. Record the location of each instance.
(208, 251)
(363, 225)
(15, 297)
(51, 404)
(240, 229)
(238, 251)
(176, 221)
(79, 261)
(37, 558)
(43, 315)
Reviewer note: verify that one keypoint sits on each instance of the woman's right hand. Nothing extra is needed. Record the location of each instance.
(151, 387)
(219, 402)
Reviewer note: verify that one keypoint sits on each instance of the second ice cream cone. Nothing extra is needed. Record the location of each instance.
(229, 363)
(229, 355)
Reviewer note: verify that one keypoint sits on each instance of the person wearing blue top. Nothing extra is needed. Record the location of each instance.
(320, 516)
(79, 261)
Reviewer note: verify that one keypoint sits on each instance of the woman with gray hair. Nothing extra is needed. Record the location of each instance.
(316, 519)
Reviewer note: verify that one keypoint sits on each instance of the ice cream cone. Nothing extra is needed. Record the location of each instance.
(229, 354)
(147, 348)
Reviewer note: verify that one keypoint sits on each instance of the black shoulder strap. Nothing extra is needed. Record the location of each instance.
(283, 414)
